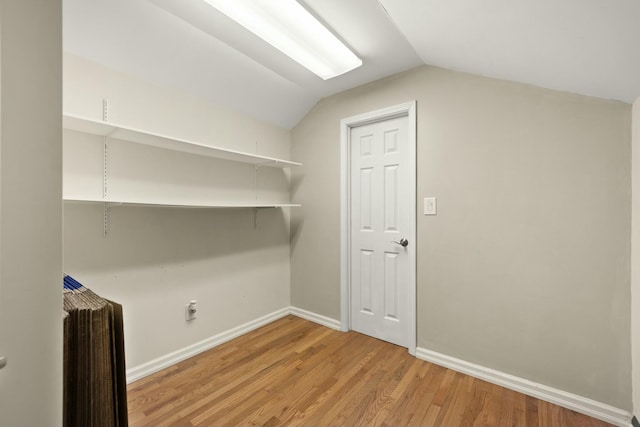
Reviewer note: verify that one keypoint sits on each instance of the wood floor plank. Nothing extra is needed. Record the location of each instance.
(295, 373)
(416, 398)
(233, 399)
(331, 395)
(296, 388)
(477, 399)
(532, 411)
(335, 410)
(205, 391)
(376, 394)
(385, 396)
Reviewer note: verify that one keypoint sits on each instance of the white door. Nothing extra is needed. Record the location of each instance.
(382, 167)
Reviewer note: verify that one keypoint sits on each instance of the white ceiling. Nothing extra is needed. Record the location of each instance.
(589, 47)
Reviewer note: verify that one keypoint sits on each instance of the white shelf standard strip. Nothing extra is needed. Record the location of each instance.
(177, 204)
(137, 136)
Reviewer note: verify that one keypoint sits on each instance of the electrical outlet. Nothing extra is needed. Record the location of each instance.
(190, 310)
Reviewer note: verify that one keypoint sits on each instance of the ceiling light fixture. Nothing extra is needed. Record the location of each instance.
(290, 28)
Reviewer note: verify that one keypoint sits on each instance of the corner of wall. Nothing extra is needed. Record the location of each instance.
(635, 258)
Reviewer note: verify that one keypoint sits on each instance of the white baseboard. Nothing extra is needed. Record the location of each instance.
(162, 362)
(601, 411)
(316, 318)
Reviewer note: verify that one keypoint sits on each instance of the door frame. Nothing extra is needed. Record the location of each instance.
(407, 109)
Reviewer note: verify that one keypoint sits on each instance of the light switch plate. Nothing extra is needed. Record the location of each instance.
(430, 206)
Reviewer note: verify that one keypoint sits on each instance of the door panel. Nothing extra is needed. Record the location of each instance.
(391, 198)
(365, 198)
(365, 281)
(380, 214)
(391, 286)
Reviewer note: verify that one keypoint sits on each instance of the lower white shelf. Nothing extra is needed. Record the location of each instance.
(174, 204)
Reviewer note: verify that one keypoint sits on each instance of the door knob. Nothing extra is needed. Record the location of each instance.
(402, 242)
(3, 362)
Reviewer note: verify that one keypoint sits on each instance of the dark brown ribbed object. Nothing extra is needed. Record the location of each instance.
(95, 392)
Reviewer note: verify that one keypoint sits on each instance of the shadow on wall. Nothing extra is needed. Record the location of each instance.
(297, 220)
(153, 236)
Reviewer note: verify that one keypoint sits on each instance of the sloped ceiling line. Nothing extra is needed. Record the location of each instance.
(588, 47)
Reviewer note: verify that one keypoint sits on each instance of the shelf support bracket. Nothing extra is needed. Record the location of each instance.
(255, 181)
(105, 223)
(104, 186)
(255, 218)
(107, 206)
(255, 188)
(105, 110)
(105, 167)
(105, 140)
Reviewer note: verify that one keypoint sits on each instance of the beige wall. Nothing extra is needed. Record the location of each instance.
(31, 213)
(155, 260)
(525, 269)
(635, 258)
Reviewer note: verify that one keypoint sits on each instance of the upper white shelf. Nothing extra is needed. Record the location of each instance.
(180, 204)
(137, 136)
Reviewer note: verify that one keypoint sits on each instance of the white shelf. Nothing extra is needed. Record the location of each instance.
(137, 136)
(173, 204)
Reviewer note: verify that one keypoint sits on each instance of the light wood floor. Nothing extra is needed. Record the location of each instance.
(293, 372)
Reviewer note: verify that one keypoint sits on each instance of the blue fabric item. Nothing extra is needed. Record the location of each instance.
(71, 284)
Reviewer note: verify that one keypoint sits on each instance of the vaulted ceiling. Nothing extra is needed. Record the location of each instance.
(590, 47)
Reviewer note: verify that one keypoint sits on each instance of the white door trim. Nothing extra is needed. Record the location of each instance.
(406, 109)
